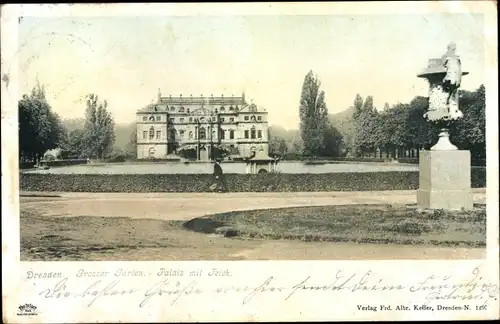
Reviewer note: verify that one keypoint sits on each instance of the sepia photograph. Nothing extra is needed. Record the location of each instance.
(252, 138)
(176, 137)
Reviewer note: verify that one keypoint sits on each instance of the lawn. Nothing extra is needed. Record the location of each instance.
(381, 224)
(259, 234)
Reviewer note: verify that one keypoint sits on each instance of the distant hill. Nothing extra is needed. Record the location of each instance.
(72, 124)
(344, 123)
(123, 133)
(343, 120)
(278, 131)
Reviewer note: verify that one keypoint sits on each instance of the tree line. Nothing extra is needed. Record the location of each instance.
(361, 131)
(397, 131)
(41, 129)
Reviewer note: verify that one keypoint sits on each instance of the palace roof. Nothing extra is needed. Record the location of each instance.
(190, 100)
(211, 103)
(152, 108)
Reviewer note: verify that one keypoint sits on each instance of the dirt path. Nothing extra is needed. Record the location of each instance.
(185, 206)
(186, 245)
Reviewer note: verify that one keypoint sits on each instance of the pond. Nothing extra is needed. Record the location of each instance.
(207, 168)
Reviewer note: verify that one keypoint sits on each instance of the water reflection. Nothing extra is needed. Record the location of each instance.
(207, 168)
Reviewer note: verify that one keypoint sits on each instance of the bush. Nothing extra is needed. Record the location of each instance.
(26, 165)
(117, 158)
(271, 182)
(297, 157)
(58, 163)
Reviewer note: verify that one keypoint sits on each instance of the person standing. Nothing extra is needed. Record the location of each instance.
(219, 177)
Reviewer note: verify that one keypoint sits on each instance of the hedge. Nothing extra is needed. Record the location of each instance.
(26, 165)
(273, 182)
(57, 163)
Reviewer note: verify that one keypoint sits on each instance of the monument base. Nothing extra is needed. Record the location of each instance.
(444, 180)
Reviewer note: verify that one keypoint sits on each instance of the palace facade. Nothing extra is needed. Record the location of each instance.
(201, 124)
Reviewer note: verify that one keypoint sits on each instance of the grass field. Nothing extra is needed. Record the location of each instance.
(357, 224)
(290, 233)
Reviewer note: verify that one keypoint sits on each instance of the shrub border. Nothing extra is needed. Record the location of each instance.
(277, 182)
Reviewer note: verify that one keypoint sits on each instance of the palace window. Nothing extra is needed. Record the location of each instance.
(181, 134)
(231, 108)
(246, 133)
(222, 108)
(231, 134)
(152, 118)
(190, 135)
(203, 133)
(190, 119)
(158, 135)
(182, 120)
(181, 109)
(259, 117)
(213, 118)
(172, 108)
(144, 134)
(231, 119)
(144, 118)
(252, 132)
(222, 134)
(158, 118)
(222, 119)
(172, 120)
(246, 117)
(151, 133)
(259, 134)
(253, 118)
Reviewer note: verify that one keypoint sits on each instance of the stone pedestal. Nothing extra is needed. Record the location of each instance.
(445, 180)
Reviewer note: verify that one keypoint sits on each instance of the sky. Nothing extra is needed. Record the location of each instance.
(125, 60)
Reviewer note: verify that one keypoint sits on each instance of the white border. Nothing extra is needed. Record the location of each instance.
(229, 307)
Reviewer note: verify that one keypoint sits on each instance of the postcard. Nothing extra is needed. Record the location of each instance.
(332, 161)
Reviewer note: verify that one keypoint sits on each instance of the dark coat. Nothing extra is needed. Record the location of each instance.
(217, 170)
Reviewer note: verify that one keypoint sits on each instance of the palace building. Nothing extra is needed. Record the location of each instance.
(201, 124)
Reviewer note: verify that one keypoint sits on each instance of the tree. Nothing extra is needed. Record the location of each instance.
(274, 142)
(313, 115)
(358, 106)
(367, 123)
(40, 128)
(470, 131)
(99, 128)
(72, 147)
(282, 147)
(365, 126)
(132, 144)
(402, 129)
(333, 142)
(277, 146)
(420, 134)
(297, 146)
